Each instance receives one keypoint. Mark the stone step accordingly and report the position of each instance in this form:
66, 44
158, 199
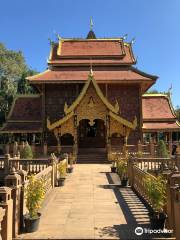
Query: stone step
92, 158
92, 150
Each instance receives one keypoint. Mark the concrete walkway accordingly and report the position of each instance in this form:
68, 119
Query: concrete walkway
90, 206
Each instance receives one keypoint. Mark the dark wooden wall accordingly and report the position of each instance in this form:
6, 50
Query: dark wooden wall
128, 97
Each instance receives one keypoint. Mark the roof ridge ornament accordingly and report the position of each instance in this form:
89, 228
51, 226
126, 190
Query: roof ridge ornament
57, 35
65, 107
91, 34
91, 74
169, 92
91, 24
125, 36
133, 41
117, 106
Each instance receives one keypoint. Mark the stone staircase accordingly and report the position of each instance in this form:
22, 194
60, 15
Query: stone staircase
92, 155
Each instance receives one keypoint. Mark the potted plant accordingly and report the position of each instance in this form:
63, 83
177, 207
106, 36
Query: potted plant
122, 171
156, 191
34, 192
62, 172
71, 162
113, 167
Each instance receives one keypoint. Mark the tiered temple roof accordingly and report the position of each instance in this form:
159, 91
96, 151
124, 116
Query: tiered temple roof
100, 51
158, 113
112, 61
25, 115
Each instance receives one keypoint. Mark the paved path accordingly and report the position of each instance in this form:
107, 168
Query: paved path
90, 206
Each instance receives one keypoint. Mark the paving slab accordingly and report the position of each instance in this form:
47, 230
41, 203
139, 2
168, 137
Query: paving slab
91, 206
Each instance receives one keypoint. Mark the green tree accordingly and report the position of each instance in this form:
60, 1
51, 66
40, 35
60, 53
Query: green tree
26, 152
13, 71
23, 85
177, 111
12, 66
162, 150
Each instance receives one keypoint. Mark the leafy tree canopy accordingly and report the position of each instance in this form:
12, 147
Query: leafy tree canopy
155, 91
13, 71
177, 111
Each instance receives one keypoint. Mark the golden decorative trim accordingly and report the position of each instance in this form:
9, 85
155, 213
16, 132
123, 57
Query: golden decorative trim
68, 127
65, 108
124, 121
116, 127
178, 123
59, 122
99, 93
91, 107
50, 54
87, 40
117, 106
60, 46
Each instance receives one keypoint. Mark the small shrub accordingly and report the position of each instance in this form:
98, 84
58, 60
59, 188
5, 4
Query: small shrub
62, 169
139, 154
27, 152
156, 191
162, 150
122, 168
34, 192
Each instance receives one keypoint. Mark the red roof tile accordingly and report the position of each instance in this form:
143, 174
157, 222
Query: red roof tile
25, 115
99, 51
91, 48
161, 126
71, 75
157, 107
26, 108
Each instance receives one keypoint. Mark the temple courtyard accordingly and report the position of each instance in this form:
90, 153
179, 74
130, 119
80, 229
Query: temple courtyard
91, 205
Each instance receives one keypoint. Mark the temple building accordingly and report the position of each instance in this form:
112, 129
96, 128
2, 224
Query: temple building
92, 96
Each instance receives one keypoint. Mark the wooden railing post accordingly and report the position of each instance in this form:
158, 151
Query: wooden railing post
15, 149
170, 198
139, 147
7, 204
2, 213
54, 171
13, 180
6, 163
177, 213
131, 162
23, 175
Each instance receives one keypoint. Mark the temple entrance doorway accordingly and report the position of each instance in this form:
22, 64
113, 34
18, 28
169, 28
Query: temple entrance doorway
92, 136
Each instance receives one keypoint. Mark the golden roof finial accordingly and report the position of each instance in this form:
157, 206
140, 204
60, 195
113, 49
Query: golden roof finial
170, 91
91, 71
91, 24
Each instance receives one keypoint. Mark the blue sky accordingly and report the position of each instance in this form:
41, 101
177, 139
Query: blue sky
27, 25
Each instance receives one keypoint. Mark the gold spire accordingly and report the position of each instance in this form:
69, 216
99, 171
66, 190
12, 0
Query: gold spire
91, 24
